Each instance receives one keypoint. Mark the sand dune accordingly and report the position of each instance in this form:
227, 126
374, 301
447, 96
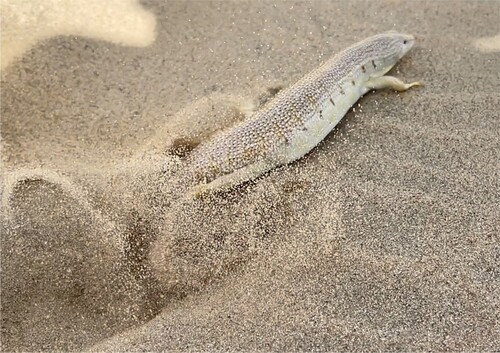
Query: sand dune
385, 237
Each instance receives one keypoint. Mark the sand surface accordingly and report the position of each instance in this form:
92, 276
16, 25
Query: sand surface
385, 237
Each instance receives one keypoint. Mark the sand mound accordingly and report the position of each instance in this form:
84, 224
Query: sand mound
65, 278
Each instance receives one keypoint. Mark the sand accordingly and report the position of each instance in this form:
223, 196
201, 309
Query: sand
384, 238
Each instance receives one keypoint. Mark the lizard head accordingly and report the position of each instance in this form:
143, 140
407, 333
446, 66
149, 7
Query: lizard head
384, 50
404, 42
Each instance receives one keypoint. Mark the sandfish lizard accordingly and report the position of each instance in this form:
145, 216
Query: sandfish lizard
298, 117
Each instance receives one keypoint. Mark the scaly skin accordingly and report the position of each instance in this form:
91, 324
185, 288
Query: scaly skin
299, 117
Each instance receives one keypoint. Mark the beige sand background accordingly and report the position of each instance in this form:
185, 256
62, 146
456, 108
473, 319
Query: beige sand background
385, 237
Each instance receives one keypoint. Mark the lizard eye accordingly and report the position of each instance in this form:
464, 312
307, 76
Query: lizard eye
404, 42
